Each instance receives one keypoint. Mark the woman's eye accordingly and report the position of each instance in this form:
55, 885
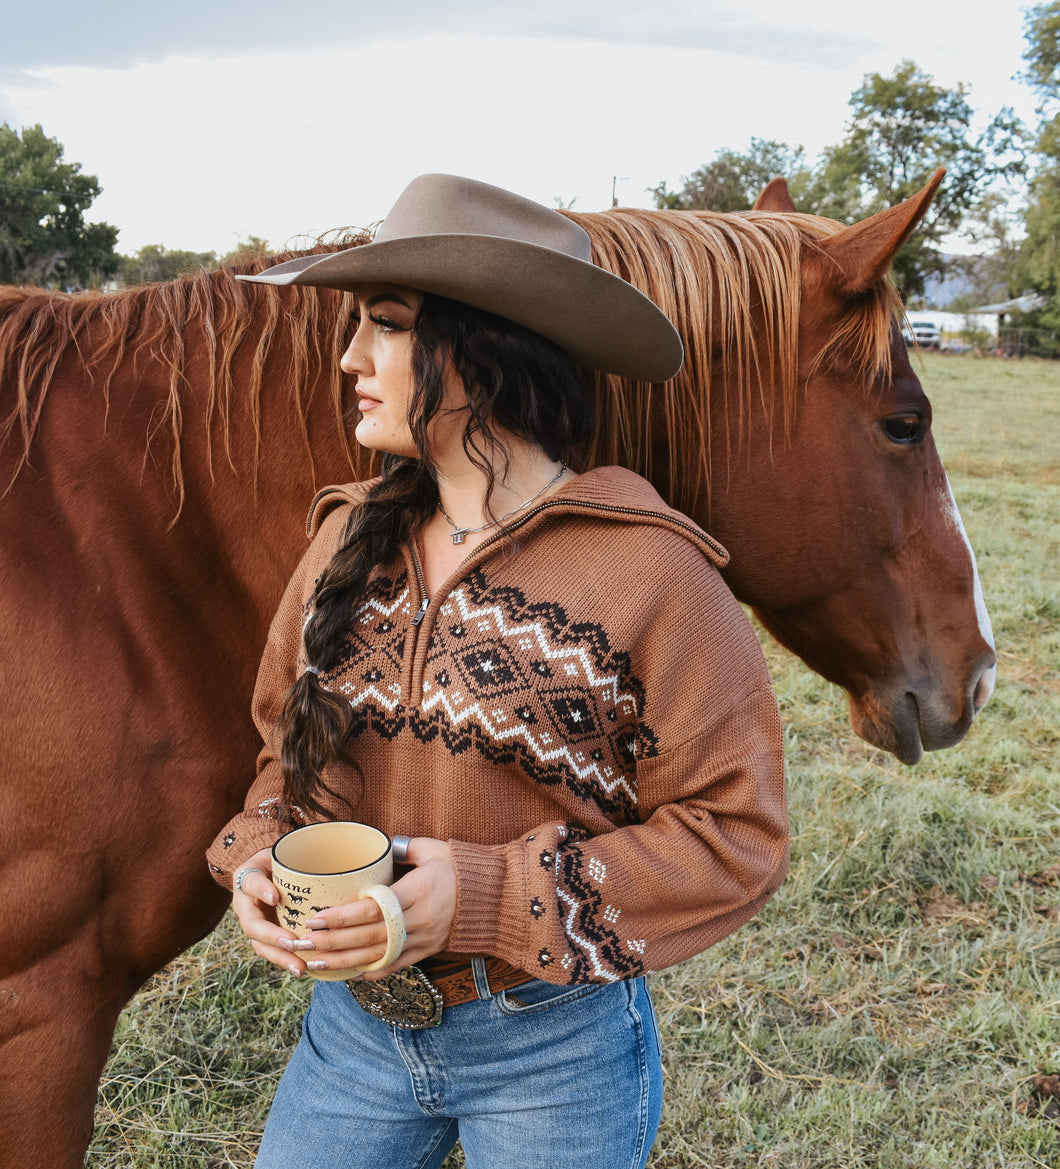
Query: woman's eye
385, 323
907, 429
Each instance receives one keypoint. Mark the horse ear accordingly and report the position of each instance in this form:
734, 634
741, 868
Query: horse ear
864, 253
775, 196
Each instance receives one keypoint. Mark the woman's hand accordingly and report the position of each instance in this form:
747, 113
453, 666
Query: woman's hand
255, 907
354, 935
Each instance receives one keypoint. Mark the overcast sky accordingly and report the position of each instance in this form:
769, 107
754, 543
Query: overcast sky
206, 122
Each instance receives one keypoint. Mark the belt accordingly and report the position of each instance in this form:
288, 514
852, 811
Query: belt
413, 998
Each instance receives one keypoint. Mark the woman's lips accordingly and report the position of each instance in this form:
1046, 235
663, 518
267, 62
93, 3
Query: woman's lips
365, 403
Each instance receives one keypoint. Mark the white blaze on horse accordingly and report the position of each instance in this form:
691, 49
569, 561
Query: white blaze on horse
158, 452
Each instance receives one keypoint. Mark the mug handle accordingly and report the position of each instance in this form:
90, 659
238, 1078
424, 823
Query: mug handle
390, 907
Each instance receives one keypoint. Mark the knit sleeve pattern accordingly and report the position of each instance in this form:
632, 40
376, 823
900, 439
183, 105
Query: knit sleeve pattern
710, 843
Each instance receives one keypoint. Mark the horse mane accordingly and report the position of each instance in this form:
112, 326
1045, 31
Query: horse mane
732, 283
304, 330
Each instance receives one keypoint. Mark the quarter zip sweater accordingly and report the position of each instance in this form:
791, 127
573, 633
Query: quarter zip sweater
582, 710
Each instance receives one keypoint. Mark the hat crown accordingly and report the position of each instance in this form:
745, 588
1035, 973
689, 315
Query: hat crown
490, 248
450, 205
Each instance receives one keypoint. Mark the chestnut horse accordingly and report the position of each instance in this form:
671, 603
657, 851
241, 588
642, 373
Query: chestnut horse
158, 450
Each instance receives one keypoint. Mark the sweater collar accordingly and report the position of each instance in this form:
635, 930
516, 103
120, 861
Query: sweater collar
615, 492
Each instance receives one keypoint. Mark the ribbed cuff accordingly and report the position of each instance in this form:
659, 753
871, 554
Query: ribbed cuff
480, 925
251, 835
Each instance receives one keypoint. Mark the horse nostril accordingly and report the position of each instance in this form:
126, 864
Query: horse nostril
984, 688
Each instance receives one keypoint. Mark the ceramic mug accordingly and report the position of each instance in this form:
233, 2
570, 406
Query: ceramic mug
321, 865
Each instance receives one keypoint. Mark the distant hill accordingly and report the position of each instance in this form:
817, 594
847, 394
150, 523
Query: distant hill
964, 276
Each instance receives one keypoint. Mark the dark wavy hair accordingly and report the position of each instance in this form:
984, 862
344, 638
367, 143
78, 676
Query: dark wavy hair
518, 383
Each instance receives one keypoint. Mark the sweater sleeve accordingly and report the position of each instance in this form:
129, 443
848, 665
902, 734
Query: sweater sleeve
711, 844
265, 817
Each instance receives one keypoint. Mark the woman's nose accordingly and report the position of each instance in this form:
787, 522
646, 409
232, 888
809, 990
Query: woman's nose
352, 361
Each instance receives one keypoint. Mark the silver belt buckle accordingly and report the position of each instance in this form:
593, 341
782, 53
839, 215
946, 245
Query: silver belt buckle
407, 999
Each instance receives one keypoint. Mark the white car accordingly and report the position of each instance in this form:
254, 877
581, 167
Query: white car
925, 334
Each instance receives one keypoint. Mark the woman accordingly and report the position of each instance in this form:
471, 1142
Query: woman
536, 676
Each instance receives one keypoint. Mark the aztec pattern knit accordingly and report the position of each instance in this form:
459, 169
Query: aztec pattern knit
584, 714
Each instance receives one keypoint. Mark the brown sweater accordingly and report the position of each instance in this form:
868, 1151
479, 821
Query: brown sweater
584, 714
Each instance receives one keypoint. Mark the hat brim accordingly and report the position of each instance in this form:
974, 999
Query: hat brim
600, 319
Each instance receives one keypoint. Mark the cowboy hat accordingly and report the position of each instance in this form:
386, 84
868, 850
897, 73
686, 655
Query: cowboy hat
490, 248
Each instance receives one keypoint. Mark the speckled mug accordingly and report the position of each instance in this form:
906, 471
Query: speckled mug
321, 865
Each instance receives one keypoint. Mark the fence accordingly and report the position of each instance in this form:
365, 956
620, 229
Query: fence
1016, 341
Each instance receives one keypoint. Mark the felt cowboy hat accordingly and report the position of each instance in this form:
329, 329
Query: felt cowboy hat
490, 248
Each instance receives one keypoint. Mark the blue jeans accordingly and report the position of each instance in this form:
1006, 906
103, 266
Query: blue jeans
539, 1077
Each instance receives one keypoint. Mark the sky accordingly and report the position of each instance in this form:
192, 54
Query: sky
212, 121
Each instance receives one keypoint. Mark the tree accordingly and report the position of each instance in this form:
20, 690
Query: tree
153, 263
247, 249
990, 272
44, 238
733, 181
1039, 260
1043, 54
903, 128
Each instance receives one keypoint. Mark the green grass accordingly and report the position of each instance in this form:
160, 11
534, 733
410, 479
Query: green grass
893, 1004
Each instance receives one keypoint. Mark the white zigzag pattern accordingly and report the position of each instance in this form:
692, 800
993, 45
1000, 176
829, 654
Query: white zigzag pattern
458, 712
390, 698
607, 682
364, 613
584, 944
389, 701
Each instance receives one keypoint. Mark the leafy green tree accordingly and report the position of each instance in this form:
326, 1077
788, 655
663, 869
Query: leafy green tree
903, 128
733, 181
251, 247
154, 263
1043, 54
990, 272
1039, 260
44, 238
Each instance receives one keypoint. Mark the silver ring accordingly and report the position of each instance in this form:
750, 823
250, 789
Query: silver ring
242, 875
401, 848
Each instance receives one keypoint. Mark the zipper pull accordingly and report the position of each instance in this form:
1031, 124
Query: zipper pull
421, 612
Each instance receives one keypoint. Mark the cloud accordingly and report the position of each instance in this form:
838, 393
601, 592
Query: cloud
123, 33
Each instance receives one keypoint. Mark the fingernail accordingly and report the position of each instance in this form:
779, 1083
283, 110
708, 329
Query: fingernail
316, 964
316, 923
303, 944
294, 971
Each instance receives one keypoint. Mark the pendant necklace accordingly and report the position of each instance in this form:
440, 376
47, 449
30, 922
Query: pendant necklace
460, 533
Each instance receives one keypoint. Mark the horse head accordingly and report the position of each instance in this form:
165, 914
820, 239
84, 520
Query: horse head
880, 591
799, 435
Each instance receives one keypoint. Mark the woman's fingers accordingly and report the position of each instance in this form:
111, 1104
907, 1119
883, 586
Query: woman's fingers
254, 899
427, 896
352, 935
254, 883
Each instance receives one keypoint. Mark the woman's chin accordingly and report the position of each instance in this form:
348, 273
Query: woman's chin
375, 437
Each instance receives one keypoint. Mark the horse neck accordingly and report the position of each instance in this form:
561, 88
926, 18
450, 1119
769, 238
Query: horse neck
197, 407
732, 285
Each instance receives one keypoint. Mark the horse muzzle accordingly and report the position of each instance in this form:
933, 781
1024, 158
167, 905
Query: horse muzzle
909, 720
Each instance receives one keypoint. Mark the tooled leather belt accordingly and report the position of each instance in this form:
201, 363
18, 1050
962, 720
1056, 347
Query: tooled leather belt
413, 998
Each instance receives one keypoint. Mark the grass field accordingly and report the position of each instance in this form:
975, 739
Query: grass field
896, 1005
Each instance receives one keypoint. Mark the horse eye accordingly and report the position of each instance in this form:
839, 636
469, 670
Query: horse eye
908, 429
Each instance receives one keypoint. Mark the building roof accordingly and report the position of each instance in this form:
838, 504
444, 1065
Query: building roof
1020, 304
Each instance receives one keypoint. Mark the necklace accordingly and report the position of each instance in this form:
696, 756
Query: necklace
460, 533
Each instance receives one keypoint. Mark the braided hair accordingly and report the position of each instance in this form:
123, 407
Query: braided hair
517, 383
